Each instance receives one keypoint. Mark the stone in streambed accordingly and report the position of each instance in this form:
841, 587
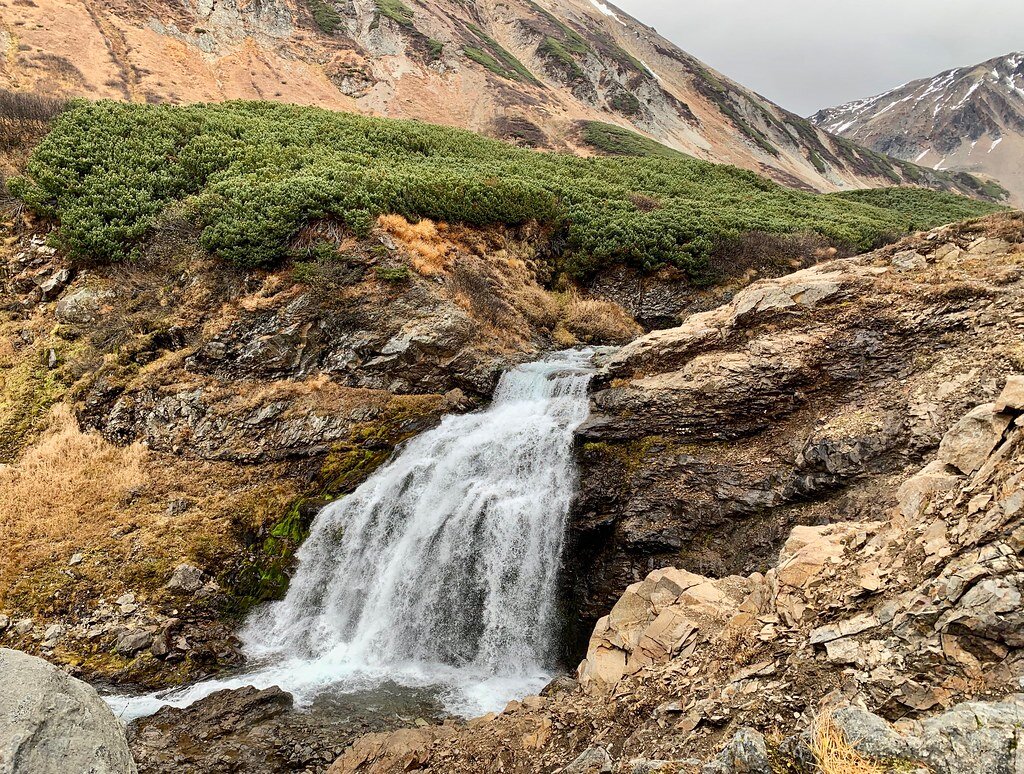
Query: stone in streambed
132, 642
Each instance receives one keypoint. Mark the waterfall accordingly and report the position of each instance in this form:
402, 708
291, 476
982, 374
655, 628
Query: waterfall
442, 568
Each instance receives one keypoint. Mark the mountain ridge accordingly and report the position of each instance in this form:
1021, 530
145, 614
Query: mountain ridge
967, 118
537, 74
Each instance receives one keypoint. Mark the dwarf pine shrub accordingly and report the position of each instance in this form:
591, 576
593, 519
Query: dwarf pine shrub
253, 174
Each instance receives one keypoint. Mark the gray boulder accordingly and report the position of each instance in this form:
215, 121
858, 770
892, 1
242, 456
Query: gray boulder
869, 734
594, 760
746, 753
82, 306
52, 723
973, 736
970, 737
186, 578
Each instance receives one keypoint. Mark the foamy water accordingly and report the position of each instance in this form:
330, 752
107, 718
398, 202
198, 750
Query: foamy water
440, 571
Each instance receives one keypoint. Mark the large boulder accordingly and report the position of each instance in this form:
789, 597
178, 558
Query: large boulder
50, 722
973, 736
664, 616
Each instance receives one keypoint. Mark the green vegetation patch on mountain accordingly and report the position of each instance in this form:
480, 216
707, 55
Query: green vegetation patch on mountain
326, 18
490, 54
252, 174
618, 141
939, 207
397, 11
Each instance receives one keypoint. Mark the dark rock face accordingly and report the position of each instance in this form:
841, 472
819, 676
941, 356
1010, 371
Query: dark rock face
803, 397
654, 300
245, 729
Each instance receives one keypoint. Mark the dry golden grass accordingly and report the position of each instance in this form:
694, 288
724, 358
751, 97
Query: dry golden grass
73, 492
428, 251
833, 752
63, 478
598, 321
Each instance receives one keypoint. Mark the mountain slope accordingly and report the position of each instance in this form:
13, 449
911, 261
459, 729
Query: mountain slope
969, 118
535, 73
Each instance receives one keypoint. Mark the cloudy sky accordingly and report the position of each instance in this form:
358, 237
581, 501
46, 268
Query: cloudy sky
810, 54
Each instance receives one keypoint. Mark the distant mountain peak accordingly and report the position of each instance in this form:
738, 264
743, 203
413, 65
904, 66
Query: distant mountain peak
967, 118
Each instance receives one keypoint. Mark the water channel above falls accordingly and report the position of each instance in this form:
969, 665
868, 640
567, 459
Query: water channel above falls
438, 576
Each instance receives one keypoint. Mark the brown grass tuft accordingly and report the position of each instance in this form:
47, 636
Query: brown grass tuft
834, 754
598, 321
428, 251
61, 480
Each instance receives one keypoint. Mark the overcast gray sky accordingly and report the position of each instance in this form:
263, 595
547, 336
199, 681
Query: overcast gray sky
810, 54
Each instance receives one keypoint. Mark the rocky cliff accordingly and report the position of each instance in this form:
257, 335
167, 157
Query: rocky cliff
801, 397
540, 74
969, 119
170, 427
884, 635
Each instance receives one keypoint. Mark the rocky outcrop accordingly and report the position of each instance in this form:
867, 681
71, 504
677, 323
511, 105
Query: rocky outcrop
249, 730
914, 618
804, 396
667, 615
52, 723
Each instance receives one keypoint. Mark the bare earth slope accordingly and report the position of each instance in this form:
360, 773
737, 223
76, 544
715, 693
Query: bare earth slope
970, 118
533, 72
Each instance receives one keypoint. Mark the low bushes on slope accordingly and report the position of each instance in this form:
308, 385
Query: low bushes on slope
253, 173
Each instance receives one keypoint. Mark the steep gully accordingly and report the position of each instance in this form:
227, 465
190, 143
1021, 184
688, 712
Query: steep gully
440, 572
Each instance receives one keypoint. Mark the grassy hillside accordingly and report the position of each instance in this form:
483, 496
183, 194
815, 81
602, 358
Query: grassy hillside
251, 174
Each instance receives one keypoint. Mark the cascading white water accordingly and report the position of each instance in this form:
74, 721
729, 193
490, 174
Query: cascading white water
441, 569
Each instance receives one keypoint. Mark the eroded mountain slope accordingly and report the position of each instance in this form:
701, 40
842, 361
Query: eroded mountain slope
537, 73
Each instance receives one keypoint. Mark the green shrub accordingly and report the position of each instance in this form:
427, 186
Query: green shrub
920, 212
397, 11
394, 274
252, 174
326, 18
